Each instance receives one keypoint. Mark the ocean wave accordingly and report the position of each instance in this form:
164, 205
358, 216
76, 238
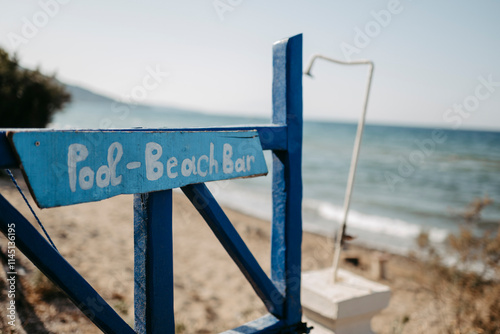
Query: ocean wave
259, 205
375, 224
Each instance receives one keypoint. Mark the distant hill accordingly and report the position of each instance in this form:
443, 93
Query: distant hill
80, 94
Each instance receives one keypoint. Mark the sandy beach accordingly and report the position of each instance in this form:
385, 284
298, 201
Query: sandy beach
384, 115
211, 295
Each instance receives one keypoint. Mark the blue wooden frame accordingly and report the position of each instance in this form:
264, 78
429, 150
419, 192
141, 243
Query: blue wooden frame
153, 276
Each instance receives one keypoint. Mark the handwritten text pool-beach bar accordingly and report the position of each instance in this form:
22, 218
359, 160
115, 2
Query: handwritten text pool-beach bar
66, 168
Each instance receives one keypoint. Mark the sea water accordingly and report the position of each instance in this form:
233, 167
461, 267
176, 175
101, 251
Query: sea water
408, 179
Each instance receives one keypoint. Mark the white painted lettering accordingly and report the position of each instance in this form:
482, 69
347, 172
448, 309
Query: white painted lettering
112, 162
154, 168
99, 180
200, 172
171, 163
250, 159
187, 167
76, 153
213, 163
239, 165
86, 178
227, 162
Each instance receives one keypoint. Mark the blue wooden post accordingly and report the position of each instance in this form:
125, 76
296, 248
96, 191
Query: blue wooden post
213, 214
153, 249
287, 175
54, 266
153, 263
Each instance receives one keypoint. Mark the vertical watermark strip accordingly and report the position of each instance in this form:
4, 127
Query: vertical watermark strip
11, 275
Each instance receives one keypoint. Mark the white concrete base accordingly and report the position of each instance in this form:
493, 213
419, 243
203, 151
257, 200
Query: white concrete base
345, 307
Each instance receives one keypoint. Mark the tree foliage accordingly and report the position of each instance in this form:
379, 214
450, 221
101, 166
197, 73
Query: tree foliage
28, 99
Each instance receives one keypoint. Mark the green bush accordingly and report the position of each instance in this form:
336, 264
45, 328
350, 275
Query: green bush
28, 99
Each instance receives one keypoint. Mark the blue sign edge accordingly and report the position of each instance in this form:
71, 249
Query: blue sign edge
10, 136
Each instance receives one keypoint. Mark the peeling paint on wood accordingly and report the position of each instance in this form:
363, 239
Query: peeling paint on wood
65, 168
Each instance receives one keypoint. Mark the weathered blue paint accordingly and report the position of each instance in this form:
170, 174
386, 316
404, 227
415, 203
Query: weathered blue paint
213, 214
272, 137
153, 263
153, 277
140, 246
264, 325
287, 175
7, 159
59, 271
278, 231
65, 168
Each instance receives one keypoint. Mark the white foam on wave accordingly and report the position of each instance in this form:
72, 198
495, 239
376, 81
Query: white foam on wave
376, 231
374, 224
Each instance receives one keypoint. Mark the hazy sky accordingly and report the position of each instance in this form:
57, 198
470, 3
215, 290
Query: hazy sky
436, 63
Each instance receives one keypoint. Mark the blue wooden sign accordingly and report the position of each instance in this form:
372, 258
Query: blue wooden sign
69, 167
